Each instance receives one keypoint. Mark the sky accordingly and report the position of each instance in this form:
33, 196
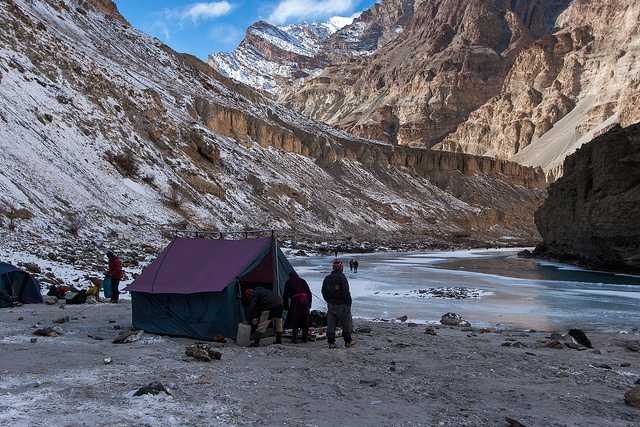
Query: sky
205, 27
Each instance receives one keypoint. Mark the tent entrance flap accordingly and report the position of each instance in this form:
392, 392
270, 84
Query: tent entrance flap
262, 273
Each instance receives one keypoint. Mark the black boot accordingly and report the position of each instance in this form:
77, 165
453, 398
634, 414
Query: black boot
256, 340
278, 337
294, 336
305, 335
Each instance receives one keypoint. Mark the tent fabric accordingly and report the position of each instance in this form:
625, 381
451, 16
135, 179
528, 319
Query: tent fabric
284, 269
199, 316
192, 288
189, 266
19, 285
7, 268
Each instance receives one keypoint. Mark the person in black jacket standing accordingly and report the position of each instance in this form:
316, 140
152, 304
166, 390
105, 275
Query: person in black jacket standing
335, 290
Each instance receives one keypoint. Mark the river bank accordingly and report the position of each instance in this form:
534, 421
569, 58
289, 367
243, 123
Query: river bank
395, 375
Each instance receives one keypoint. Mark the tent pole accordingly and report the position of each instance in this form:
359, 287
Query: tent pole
275, 257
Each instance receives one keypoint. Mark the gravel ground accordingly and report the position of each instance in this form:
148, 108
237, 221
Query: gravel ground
395, 375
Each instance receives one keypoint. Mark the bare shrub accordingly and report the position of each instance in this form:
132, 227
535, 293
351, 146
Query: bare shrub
13, 215
150, 180
74, 223
173, 198
125, 162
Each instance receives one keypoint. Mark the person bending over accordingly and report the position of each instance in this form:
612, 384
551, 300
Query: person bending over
263, 306
297, 300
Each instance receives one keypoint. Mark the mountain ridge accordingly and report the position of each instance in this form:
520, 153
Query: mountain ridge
105, 123
525, 80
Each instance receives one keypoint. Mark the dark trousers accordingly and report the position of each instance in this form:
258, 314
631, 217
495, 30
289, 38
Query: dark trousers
339, 314
115, 291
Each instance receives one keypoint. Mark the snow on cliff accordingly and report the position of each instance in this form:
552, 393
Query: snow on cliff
83, 96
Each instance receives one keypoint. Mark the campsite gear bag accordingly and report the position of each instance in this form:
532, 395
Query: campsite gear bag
106, 287
243, 338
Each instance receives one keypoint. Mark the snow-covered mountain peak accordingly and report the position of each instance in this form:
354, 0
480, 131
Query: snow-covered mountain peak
271, 58
301, 39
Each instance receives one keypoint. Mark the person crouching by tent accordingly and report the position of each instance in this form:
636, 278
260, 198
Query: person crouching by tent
297, 300
335, 290
116, 274
263, 306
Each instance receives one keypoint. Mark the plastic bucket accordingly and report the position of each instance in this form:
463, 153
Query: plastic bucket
243, 339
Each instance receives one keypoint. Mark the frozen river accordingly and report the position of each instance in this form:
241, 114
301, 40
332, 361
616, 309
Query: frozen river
514, 292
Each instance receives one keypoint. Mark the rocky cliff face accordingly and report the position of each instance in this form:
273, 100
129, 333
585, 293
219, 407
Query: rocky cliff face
105, 129
451, 58
523, 80
592, 214
562, 90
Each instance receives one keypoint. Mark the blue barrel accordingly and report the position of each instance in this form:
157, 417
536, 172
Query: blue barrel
106, 287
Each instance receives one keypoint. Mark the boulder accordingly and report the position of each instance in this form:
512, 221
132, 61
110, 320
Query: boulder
202, 352
60, 320
429, 330
48, 332
580, 337
454, 319
50, 300
633, 346
128, 337
154, 388
363, 330
632, 397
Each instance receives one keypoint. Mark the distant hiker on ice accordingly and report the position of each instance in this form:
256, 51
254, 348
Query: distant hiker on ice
115, 274
356, 264
297, 300
351, 265
335, 290
262, 307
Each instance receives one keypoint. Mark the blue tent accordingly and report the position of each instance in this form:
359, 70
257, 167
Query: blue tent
193, 288
18, 285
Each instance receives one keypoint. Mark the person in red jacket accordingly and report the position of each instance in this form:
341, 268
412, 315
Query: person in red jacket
116, 274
